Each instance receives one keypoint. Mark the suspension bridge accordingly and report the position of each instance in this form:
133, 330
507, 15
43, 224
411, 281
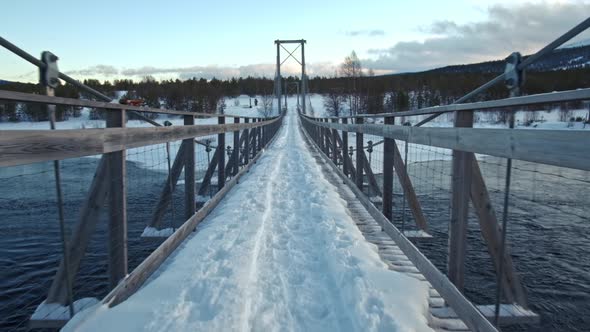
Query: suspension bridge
284, 222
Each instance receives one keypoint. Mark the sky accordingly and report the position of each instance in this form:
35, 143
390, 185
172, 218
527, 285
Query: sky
114, 39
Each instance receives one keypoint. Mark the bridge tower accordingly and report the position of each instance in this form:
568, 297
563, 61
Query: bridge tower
278, 80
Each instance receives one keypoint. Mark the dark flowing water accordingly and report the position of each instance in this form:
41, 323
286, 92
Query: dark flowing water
549, 233
30, 242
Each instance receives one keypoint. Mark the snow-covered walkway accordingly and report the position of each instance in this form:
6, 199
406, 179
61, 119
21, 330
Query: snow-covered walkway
280, 253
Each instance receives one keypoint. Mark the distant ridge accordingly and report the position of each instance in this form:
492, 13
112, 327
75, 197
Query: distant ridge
581, 43
572, 56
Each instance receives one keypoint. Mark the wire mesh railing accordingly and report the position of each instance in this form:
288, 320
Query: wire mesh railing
116, 213
428, 179
441, 172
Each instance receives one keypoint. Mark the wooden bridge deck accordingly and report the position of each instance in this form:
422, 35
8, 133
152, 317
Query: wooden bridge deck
441, 317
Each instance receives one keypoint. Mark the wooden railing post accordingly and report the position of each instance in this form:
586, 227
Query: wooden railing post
254, 136
246, 143
359, 156
316, 132
260, 135
265, 131
321, 135
189, 171
117, 203
236, 161
326, 139
334, 144
388, 153
345, 149
461, 189
221, 156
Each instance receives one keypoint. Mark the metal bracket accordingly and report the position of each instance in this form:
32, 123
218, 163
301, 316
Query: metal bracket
514, 77
49, 75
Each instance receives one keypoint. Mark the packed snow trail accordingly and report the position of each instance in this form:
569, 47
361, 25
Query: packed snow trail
280, 253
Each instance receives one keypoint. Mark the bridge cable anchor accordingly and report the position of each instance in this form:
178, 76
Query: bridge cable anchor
49, 75
514, 78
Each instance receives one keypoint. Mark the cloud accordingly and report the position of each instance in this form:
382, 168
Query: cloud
369, 33
525, 28
209, 72
98, 70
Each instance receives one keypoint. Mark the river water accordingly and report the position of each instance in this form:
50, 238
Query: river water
549, 233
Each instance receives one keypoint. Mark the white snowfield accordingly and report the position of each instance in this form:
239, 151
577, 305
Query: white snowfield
280, 253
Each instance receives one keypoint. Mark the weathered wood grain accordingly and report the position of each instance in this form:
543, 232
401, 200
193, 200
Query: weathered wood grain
490, 231
460, 189
89, 217
19, 147
465, 310
552, 147
408, 187
117, 205
138, 277
189, 171
388, 156
171, 180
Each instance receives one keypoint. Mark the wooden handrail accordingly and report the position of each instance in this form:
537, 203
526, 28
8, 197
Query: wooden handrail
42, 99
19, 147
565, 148
492, 105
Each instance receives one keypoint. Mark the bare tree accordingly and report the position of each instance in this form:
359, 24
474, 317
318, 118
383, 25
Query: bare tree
352, 70
221, 106
266, 107
333, 102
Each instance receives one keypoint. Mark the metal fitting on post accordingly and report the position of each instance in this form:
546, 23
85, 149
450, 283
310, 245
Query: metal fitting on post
49, 75
370, 146
513, 76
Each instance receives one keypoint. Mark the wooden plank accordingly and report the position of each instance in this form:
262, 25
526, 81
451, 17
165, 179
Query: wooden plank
138, 277
189, 171
510, 314
491, 105
253, 144
320, 136
259, 138
235, 159
221, 157
327, 140
406, 183
370, 176
51, 316
552, 147
19, 147
351, 169
417, 235
172, 178
117, 177
246, 136
460, 190
465, 309
490, 230
89, 216
359, 157
334, 144
388, 155
344, 144
210, 171
235, 156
